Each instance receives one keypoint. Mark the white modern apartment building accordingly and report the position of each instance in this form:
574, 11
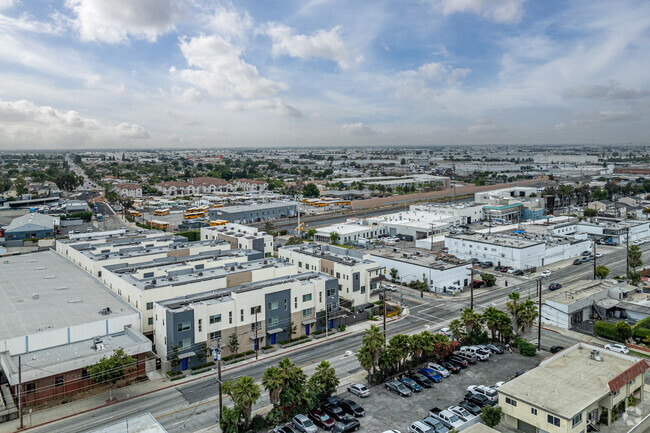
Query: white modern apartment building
240, 236
358, 276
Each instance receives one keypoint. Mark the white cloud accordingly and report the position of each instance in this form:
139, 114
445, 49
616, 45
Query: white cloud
358, 129
229, 23
606, 93
416, 83
220, 70
274, 105
596, 118
115, 20
501, 11
28, 125
322, 44
7, 4
485, 126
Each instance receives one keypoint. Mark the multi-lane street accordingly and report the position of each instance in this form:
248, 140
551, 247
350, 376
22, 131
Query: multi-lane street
191, 406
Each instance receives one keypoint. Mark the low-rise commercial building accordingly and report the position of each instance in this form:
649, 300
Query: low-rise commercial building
350, 232
570, 391
240, 236
257, 314
254, 213
462, 213
412, 225
127, 189
358, 276
29, 226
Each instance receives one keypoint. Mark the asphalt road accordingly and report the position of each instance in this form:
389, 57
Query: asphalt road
193, 406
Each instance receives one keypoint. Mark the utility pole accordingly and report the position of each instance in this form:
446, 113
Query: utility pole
20, 390
627, 250
539, 320
257, 343
327, 324
431, 237
385, 305
219, 375
594, 251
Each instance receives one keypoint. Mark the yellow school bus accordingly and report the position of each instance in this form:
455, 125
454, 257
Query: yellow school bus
216, 223
133, 213
193, 215
161, 212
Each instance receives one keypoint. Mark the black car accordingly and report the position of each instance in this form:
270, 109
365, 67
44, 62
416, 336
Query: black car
495, 349
458, 360
554, 286
283, 429
470, 407
577, 262
352, 408
346, 425
334, 411
556, 349
422, 380
479, 400
518, 273
451, 366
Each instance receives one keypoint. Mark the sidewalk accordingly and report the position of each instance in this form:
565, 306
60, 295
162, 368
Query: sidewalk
99, 400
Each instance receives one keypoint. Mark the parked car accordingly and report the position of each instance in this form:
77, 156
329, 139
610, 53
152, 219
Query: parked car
352, 408
518, 273
458, 360
585, 253
411, 384
431, 374
303, 424
546, 273
554, 286
321, 419
577, 262
420, 427
333, 410
283, 429
495, 349
584, 259
617, 348
398, 388
359, 390
599, 255
461, 412
479, 399
451, 366
488, 392
556, 349
476, 284
435, 424
346, 425
445, 331
472, 408
439, 368
422, 380
467, 356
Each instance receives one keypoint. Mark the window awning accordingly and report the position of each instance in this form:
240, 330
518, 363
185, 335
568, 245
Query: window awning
309, 322
274, 331
186, 355
259, 337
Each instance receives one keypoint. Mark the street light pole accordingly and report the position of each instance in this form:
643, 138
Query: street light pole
539, 320
385, 305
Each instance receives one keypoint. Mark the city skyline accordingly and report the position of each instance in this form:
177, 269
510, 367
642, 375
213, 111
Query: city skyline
163, 74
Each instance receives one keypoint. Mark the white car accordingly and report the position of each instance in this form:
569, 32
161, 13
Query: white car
461, 412
546, 273
599, 255
486, 391
359, 390
439, 368
617, 348
445, 331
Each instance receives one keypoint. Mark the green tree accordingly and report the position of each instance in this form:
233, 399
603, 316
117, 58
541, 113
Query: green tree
373, 343
293, 240
269, 228
403, 161
233, 344
311, 233
514, 309
527, 315
456, 328
310, 190
489, 279
624, 330
646, 211
244, 393
229, 421
471, 320
491, 415
174, 359
324, 379
491, 319
334, 237
634, 256
393, 273
401, 344
589, 213
272, 381
602, 271
20, 186
111, 369
291, 330
504, 326
600, 194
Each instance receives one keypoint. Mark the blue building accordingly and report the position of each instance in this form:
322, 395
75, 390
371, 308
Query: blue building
29, 226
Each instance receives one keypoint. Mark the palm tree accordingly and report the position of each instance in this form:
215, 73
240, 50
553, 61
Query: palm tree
527, 315
514, 309
471, 320
292, 375
417, 344
244, 393
401, 344
634, 256
504, 326
272, 381
373, 340
367, 361
325, 378
429, 346
491, 318
456, 328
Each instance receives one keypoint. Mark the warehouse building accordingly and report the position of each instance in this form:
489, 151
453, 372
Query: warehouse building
254, 213
29, 226
240, 236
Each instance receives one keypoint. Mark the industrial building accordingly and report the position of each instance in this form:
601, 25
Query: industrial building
240, 236
570, 390
461, 213
254, 213
358, 276
412, 225
29, 226
350, 232
308, 301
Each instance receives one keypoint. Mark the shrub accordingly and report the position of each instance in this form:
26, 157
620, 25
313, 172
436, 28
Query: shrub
491, 416
267, 347
642, 333
342, 328
489, 279
257, 423
631, 401
645, 323
526, 348
606, 330
624, 330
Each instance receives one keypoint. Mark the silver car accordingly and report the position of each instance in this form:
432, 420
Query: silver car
303, 424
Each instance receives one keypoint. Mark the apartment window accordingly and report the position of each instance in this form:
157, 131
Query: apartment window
31, 388
511, 401
187, 342
215, 335
185, 326
300, 264
58, 381
617, 392
338, 275
320, 296
553, 420
200, 325
272, 305
149, 305
363, 289
533, 411
331, 292
257, 308
306, 298
632, 381
215, 319
272, 321
242, 316
230, 317
307, 312
576, 420
150, 321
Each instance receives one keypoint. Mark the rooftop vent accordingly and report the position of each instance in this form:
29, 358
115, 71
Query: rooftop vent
40, 268
61, 288
75, 301
595, 355
35, 296
6, 262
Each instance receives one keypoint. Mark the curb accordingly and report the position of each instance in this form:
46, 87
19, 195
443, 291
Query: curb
214, 373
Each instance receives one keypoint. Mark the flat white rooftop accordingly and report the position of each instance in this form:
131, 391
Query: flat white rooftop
44, 290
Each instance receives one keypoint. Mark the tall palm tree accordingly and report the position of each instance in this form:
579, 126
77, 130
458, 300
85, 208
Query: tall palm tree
471, 319
491, 318
634, 256
272, 381
513, 308
244, 393
504, 326
456, 328
325, 378
429, 344
367, 362
401, 344
373, 340
292, 375
527, 315
417, 346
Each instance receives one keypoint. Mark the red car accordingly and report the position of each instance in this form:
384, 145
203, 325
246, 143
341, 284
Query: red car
321, 419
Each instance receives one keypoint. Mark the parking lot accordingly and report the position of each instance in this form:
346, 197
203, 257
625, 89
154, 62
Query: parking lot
385, 410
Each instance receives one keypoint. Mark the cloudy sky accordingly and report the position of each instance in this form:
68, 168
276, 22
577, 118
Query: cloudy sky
199, 73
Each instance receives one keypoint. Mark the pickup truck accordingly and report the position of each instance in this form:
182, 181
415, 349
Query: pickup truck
448, 418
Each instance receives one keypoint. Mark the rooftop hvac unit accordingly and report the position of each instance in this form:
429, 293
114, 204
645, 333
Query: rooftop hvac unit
595, 355
35, 296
